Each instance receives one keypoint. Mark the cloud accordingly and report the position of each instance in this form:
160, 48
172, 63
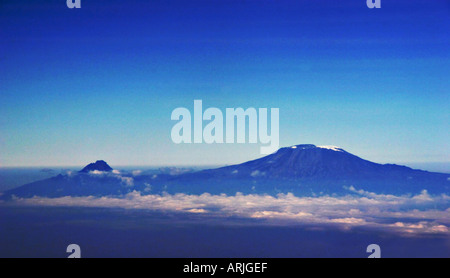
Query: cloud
70, 173
136, 172
364, 209
421, 226
98, 173
257, 173
126, 180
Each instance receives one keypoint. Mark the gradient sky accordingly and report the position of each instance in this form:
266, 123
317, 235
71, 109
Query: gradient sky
101, 82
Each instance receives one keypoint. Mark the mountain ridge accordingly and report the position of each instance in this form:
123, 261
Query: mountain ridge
301, 169
308, 160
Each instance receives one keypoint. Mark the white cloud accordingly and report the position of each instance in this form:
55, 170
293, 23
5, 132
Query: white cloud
148, 187
127, 181
70, 173
136, 172
423, 197
97, 173
370, 210
257, 173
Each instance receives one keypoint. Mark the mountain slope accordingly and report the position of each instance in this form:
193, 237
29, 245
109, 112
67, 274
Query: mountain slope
310, 161
307, 169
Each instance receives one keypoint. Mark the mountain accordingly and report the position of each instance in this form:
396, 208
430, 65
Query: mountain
302, 169
99, 165
313, 162
309, 169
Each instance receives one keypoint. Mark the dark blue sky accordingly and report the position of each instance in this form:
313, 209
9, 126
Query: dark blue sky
100, 82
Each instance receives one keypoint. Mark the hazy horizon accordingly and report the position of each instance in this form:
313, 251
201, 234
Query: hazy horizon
443, 167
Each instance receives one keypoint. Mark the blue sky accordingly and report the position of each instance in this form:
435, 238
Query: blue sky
101, 82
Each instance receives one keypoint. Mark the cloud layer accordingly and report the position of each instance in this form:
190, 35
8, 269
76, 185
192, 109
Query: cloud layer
408, 214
